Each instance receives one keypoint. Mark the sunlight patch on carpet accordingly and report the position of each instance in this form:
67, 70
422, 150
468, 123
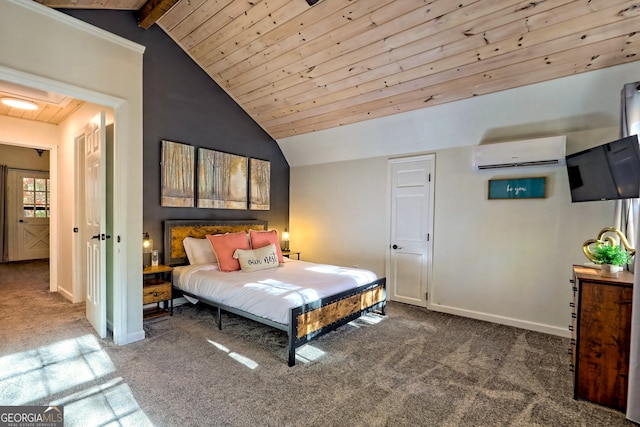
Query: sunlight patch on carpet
367, 319
42, 374
110, 403
36, 374
249, 363
308, 353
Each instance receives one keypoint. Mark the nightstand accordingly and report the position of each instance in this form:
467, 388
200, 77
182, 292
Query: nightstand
289, 253
157, 287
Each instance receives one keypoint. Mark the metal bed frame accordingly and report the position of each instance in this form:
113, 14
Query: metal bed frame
306, 322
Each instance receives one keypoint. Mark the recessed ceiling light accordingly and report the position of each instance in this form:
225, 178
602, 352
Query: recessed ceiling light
20, 103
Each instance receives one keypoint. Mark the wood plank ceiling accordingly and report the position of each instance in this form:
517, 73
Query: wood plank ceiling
52, 108
297, 68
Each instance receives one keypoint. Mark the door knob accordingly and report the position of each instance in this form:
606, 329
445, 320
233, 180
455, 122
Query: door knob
396, 247
97, 236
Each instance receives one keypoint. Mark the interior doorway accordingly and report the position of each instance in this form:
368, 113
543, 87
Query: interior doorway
26, 150
32, 218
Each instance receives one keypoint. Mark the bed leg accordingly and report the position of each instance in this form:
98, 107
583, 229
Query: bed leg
219, 319
383, 310
292, 356
291, 333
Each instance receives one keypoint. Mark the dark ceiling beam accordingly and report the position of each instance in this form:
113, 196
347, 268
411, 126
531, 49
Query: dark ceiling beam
153, 10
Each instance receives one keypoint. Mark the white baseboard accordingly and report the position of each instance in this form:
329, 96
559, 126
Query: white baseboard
508, 321
133, 337
65, 294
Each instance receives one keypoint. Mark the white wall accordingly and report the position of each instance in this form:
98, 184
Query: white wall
509, 261
45, 49
338, 211
25, 133
23, 158
505, 261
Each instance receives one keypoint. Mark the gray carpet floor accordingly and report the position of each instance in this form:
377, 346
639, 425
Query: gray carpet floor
411, 367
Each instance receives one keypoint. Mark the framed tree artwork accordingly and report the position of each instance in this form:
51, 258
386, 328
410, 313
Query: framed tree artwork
222, 180
260, 184
178, 166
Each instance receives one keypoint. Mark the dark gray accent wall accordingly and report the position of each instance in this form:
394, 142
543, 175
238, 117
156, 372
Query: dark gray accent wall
183, 104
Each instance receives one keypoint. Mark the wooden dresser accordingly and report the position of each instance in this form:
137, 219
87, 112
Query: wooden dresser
601, 334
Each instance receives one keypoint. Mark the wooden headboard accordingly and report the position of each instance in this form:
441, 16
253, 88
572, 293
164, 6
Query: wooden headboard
176, 230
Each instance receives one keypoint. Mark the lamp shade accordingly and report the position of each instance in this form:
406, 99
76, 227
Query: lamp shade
285, 240
147, 243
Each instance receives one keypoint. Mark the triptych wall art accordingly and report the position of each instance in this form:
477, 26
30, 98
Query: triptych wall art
224, 180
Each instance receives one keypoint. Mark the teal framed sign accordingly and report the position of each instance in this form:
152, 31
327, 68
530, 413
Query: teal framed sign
518, 188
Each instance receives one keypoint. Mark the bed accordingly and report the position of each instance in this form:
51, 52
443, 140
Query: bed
303, 299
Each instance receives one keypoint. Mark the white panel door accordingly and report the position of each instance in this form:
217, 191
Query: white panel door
410, 229
94, 223
29, 214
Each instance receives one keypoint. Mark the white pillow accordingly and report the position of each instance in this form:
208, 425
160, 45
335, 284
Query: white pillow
257, 259
199, 251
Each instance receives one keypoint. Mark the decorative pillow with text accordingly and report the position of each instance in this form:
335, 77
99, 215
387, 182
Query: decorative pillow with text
257, 259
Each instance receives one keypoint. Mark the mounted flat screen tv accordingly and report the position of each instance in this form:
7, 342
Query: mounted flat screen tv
607, 172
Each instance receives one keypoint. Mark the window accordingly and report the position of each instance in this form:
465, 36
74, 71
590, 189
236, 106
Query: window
35, 197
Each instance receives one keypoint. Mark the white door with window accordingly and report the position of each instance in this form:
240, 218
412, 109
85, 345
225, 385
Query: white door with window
28, 214
411, 225
94, 223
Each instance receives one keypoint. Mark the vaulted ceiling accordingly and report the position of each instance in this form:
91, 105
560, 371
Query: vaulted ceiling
297, 68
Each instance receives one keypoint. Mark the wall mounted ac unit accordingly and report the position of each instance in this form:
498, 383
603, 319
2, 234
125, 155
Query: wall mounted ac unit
529, 152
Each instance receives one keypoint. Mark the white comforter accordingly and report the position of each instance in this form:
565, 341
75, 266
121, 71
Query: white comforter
269, 293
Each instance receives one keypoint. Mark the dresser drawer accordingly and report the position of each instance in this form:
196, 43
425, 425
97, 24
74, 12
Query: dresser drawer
156, 293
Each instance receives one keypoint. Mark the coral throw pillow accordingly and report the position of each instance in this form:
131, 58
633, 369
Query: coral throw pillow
260, 239
224, 245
